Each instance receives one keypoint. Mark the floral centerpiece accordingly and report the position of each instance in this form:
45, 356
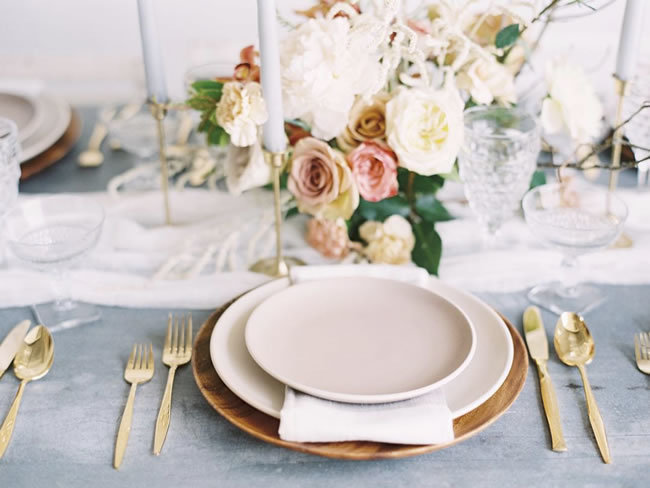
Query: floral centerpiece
374, 99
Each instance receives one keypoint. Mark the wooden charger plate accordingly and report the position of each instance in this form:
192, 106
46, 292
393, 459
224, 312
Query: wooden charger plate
265, 427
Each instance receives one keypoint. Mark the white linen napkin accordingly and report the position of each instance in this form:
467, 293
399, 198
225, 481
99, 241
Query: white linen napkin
422, 420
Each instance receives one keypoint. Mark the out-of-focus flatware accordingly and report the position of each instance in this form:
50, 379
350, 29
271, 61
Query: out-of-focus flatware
93, 155
11, 344
538, 348
176, 352
139, 369
575, 347
642, 351
33, 360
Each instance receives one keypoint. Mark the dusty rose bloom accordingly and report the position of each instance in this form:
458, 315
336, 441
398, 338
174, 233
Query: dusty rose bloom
329, 237
374, 167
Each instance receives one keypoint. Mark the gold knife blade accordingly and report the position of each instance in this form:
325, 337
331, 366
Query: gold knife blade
538, 347
11, 344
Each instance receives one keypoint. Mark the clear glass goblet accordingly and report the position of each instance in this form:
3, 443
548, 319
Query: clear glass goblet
496, 162
576, 221
50, 234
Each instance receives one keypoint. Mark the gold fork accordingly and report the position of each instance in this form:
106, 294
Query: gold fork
139, 369
642, 351
175, 353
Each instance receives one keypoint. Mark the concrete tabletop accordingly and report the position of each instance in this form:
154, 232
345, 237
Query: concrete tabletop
66, 428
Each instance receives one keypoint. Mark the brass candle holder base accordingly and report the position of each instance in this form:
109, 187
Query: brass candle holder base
277, 266
159, 112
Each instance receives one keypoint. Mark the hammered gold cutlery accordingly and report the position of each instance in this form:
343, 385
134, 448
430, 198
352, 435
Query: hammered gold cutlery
575, 347
139, 369
538, 348
176, 352
11, 344
33, 360
642, 351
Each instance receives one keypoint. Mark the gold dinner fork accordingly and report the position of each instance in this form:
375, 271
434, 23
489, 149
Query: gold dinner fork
175, 353
139, 369
642, 351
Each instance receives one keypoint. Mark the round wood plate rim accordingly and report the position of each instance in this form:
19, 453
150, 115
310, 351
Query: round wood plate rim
265, 427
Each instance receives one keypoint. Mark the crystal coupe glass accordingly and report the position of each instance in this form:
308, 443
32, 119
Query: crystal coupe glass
51, 233
576, 221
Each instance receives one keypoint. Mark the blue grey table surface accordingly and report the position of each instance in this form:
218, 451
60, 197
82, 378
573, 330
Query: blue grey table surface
66, 428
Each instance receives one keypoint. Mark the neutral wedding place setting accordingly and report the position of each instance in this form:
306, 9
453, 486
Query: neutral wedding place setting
352, 241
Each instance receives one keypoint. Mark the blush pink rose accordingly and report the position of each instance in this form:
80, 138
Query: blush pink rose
374, 167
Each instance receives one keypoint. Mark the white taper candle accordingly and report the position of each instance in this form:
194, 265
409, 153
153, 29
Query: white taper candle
274, 136
630, 40
151, 53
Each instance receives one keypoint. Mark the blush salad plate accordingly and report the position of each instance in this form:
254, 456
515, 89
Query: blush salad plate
484, 374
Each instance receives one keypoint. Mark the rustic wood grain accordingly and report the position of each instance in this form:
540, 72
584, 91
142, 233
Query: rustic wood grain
265, 427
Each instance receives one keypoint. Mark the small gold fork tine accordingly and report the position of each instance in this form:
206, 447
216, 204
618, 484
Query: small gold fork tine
181, 343
168, 336
645, 343
175, 340
188, 340
143, 356
637, 347
131, 361
150, 360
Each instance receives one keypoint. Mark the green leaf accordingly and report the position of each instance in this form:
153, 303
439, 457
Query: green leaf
214, 95
421, 184
201, 103
217, 136
538, 179
430, 209
383, 209
202, 85
428, 246
507, 36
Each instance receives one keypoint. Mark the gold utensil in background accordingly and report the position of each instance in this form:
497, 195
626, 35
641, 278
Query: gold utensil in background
127, 112
575, 347
538, 348
93, 156
139, 369
642, 351
11, 344
177, 351
33, 360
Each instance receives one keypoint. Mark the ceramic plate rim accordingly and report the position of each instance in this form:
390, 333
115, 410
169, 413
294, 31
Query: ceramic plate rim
359, 397
36, 120
241, 305
54, 123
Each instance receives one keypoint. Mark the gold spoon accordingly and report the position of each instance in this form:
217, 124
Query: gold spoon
575, 347
33, 360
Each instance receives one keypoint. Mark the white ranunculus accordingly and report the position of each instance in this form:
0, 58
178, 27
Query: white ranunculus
240, 111
572, 105
425, 129
246, 168
324, 66
487, 80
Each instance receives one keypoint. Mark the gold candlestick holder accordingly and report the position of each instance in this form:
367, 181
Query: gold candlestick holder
277, 266
159, 112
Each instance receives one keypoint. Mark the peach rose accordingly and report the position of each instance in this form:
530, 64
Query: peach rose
321, 180
367, 121
329, 237
374, 167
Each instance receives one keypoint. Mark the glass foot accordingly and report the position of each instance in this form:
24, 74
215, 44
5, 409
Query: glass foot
67, 315
557, 298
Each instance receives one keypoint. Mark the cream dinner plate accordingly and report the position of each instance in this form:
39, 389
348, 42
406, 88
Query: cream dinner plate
360, 339
55, 121
482, 377
25, 111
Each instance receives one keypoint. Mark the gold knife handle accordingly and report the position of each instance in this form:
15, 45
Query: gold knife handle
594, 417
125, 428
10, 420
164, 414
549, 399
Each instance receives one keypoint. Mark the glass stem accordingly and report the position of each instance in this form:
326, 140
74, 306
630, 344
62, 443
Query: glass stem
61, 288
570, 275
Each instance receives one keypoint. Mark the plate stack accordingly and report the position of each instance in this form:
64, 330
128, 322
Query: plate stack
358, 340
47, 126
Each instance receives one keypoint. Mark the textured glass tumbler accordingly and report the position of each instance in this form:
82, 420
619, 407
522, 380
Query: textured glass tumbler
496, 162
9, 174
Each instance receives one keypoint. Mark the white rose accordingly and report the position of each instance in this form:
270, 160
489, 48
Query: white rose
572, 105
390, 242
240, 111
425, 129
246, 168
324, 66
487, 80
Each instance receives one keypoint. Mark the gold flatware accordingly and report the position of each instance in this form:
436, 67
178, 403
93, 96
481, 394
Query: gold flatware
93, 155
139, 369
11, 344
642, 351
538, 348
127, 112
177, 351
575, 347
33, 360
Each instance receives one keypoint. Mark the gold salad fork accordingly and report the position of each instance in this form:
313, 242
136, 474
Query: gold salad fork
176, 352
642, 351
139, 369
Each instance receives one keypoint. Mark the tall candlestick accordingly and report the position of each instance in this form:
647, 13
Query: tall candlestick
151, 53
630, 40
274, 135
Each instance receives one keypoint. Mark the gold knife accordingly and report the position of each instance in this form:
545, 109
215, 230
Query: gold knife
11, 344
538, 348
